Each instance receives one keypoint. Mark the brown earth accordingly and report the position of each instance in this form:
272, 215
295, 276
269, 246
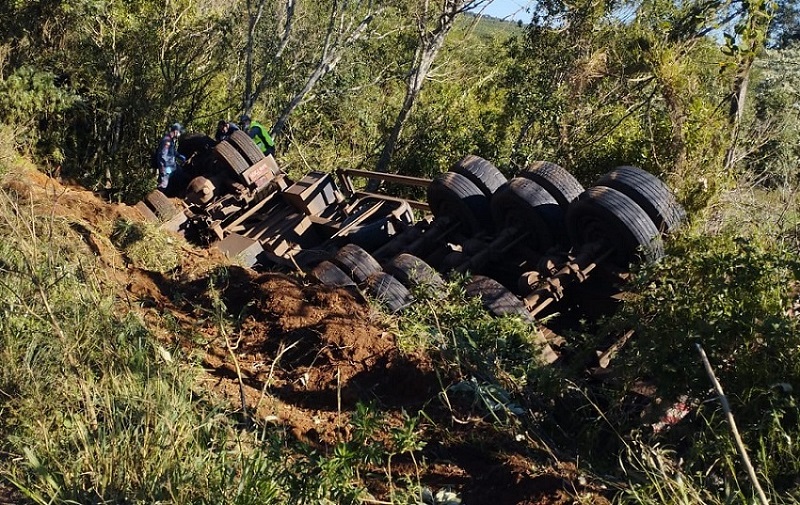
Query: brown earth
303, 355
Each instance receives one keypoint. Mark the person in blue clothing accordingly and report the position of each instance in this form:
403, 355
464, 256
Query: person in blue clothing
167, 155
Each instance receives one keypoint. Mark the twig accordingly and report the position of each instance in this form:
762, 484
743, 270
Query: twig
243, 396
751, 472
267, 382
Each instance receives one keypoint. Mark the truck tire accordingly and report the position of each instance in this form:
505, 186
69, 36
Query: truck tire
526, 206
452, 261
555, 179
230, 157
603, 215
356, 262
451, 195
499, 301
330, 275
481, 173
146, 212
388, 291
245, 145
650, 193
161, 205
413, 272
496, 298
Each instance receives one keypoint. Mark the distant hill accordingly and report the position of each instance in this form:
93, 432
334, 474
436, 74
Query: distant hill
492, 27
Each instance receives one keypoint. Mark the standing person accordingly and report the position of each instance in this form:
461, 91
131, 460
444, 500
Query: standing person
167, 155
259, 134
224, 130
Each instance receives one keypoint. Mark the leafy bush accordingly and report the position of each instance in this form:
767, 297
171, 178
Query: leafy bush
32, 103
728, 293
493, 362
734, 297
773, 130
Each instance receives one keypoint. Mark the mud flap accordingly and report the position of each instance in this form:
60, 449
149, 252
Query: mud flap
146, 212
242, 249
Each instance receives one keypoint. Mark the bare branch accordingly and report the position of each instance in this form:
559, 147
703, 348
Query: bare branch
332, 53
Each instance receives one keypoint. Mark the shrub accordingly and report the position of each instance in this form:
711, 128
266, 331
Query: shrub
733, 296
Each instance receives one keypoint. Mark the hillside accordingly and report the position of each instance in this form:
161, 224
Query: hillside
140, 368
301, 358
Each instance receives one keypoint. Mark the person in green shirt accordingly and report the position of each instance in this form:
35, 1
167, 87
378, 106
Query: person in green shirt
259, 133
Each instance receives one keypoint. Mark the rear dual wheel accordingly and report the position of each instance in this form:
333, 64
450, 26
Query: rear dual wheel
330, 275
555, 180
194, 144
526, 206
388, 291
162, 206
245, 145
499, 301
353, 262
482, 173
496, 298
650, 193
453, 196
606, 217
230, 157
356, 263
413, 272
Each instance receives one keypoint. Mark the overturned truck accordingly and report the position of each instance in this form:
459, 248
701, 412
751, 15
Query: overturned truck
530, 243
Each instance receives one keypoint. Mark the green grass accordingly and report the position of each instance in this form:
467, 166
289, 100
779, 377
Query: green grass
146, 246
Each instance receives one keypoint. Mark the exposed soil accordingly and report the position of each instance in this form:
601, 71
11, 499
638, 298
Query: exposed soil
303, 355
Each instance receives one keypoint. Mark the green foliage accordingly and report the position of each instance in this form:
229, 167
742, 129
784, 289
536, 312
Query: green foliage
660, 479
89, 404
785, 28
495, 362
32, 103
731, 295
128, 69
595, 93
9, 157
444, 133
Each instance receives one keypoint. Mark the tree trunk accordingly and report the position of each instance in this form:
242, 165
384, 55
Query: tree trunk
416, 79
252, 90
738, 98
332, 53
430, 42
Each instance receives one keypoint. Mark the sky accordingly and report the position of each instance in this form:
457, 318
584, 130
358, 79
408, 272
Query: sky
514, 10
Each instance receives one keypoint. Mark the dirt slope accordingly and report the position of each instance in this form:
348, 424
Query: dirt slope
303, 355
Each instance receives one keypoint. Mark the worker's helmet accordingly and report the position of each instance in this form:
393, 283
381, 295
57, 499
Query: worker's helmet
177, 127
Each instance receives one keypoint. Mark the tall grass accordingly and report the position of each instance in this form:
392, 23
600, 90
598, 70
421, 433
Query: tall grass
145, 246
92, 412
